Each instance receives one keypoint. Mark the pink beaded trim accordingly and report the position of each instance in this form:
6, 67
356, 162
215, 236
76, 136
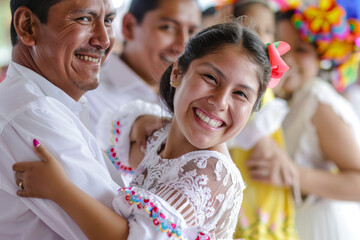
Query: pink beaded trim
158, 218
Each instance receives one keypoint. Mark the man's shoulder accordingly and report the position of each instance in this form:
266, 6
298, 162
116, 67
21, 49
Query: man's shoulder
16, 94
21, 97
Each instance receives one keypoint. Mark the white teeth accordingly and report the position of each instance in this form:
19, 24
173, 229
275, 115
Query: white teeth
87, 58
208, 121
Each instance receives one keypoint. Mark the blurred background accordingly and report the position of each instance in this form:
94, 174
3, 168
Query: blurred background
5, 17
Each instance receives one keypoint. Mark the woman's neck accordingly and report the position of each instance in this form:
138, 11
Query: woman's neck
177, 144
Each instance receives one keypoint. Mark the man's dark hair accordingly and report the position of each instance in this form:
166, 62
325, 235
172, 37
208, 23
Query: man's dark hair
39, 7
139, 8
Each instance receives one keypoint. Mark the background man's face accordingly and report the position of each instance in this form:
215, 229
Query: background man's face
162, 35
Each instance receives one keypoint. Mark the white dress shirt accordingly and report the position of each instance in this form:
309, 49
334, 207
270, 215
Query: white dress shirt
118, 85
32, 107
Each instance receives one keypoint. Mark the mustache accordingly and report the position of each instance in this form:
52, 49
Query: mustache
100, 52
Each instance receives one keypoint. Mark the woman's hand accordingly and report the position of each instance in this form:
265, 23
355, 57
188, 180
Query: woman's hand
270, 163
143, 127
41, 179
47, 179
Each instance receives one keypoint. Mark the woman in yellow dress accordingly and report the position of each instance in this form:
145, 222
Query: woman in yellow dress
267, 211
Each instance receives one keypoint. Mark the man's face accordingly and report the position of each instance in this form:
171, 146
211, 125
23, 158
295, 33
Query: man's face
73, 44
161, 38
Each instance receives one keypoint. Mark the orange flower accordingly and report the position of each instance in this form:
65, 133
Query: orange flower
323, 18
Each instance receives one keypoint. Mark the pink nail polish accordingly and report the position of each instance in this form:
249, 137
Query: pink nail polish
36, 143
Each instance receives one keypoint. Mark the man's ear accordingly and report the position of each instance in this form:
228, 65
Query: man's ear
128, 24
24, 23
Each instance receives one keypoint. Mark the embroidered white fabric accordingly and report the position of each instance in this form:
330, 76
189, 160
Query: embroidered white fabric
114, 129
150, 217
204, 186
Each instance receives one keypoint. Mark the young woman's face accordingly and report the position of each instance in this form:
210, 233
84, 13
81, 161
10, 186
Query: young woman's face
302, 60
215, 97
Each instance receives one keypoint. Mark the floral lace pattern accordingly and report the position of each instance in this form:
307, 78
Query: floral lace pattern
204, 186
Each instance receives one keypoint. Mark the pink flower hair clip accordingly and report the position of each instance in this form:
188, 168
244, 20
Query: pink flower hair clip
278, 66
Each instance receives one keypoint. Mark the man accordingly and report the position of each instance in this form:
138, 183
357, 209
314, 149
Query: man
58, 48
155, 33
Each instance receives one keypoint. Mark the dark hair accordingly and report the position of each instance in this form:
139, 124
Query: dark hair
39, 7
284, 15
242, 6
139, 8
213, 39
210, 11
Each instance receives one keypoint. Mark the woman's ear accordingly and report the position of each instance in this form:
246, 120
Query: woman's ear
128, 24
24, 23
175, 77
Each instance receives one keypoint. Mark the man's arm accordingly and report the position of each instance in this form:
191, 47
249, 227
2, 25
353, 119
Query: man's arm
77, 152
47, 179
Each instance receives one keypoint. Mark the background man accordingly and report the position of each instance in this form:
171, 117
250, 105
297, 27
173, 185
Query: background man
155, 33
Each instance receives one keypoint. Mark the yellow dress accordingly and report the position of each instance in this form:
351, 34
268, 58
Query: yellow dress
267, 212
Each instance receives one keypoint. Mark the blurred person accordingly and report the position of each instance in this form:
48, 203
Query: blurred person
268, 211
155, 33
322, 132
352, 94
209, 17
217, 14
58, 48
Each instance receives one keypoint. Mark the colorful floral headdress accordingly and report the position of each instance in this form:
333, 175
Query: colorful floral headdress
282, 5
336, 36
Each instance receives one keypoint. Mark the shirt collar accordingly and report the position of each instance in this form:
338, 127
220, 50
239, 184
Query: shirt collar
45, 86
114, 69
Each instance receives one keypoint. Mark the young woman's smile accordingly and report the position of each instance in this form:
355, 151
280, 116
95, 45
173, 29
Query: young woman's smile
215, 97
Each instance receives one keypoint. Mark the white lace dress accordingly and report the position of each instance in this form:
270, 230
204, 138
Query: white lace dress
205, 187
318, 218
195, 196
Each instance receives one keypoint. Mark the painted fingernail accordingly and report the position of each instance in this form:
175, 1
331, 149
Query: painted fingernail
36, 143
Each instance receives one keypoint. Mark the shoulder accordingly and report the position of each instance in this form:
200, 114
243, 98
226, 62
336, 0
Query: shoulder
331, 105
215, 165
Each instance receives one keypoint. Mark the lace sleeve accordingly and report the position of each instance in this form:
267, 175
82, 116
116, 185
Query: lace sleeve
208, 192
